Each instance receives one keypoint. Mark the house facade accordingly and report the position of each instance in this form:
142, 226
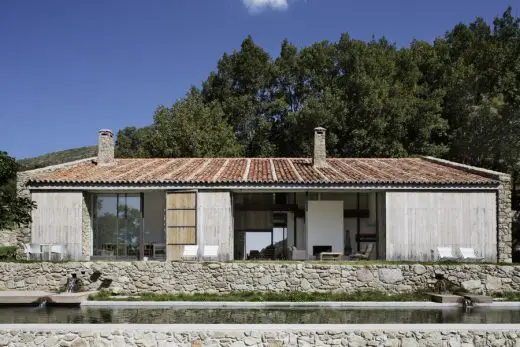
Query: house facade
121, 209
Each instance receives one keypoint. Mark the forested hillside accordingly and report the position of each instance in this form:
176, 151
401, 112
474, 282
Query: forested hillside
55, 158
456, 98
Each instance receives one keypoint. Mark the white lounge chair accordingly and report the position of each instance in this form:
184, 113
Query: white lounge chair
364, 255
60, 250
446, 254
469, 254
34, 249
27, 251
159, 249
190, 252
210, 252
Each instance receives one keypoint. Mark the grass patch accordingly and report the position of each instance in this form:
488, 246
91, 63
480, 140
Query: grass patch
8, 253
263, 297
507, 296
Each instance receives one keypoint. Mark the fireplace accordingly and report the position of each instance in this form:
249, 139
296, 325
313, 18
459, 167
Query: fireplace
316, 250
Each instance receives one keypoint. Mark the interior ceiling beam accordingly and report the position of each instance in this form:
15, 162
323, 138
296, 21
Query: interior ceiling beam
348, 213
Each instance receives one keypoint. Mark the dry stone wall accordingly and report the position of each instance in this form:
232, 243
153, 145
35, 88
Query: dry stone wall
305, 337
215, 277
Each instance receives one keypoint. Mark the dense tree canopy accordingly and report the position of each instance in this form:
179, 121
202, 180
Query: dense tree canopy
456, 98
14, 210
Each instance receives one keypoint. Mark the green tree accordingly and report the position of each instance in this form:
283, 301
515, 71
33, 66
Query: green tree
241, 86
14, 210
192, 129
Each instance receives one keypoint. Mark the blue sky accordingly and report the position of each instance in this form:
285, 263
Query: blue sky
69, 68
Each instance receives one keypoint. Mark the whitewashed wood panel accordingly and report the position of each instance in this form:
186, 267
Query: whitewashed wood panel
418, 222
215, 222
58, 220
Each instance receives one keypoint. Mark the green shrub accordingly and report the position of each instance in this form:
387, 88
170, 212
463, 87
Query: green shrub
8, 253
265, 296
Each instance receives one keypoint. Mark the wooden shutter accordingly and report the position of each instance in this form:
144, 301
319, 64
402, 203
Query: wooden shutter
181, 222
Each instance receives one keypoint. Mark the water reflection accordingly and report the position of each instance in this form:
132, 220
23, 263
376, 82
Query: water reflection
255, 316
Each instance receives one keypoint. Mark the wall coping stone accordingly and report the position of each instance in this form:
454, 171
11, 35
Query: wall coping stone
260, 327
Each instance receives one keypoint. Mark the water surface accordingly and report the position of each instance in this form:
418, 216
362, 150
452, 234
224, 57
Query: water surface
86, 315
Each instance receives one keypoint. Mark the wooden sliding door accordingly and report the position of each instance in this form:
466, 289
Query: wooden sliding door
181, 222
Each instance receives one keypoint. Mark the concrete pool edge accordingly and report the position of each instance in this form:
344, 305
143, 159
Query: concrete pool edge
271, 335
282, 304
270, 304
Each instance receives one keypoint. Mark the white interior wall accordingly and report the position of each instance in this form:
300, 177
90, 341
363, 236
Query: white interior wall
324, 224
154, 211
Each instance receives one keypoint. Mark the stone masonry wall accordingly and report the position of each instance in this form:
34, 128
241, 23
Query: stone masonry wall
504, 221
86, 227
215, 277
130, 335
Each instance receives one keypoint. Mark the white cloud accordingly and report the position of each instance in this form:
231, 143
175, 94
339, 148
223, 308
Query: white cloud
255, 6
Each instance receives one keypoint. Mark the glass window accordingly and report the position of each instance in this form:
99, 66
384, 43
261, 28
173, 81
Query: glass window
117, 228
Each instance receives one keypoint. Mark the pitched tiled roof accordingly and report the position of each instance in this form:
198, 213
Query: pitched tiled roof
264, 170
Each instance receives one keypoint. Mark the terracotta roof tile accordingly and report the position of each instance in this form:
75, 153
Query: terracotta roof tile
186, 170
260, 171
234, 171
265, 170
306, 171
284, 170
209, 171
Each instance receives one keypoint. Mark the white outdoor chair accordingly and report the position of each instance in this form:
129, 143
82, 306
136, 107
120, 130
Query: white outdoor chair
35, 249
364, 255
446, 254
190, 252
60, 250
159, 248
210, 252
469, 254
27, 250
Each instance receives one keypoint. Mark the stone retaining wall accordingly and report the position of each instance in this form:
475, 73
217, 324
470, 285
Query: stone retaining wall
407, 336
213, 277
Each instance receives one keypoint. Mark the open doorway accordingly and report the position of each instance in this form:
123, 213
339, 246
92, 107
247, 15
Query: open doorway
264, 244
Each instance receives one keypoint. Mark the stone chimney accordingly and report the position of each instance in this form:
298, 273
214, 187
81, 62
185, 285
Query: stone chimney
320, 151
105, 147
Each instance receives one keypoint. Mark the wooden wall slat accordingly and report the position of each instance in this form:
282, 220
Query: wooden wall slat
215, 222
58, 220
174, 252
418, 222
181, 222
181, 200
181, 218
181, 235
